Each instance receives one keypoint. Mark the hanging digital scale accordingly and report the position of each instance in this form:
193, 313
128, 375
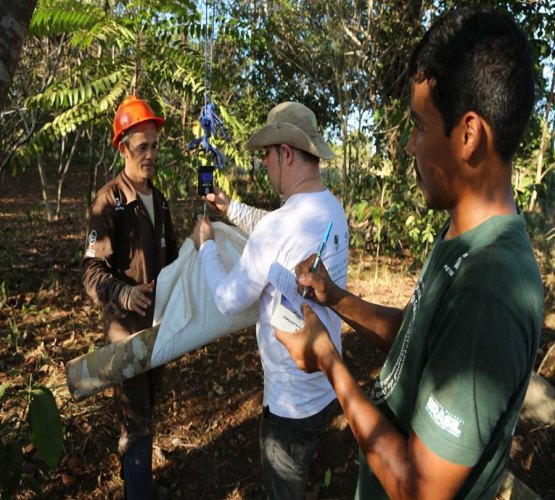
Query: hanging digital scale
205, 180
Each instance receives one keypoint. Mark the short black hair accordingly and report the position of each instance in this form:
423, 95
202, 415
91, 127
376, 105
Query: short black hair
307, 157
479, 60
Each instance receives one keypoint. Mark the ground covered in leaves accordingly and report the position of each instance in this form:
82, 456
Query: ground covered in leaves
206, 444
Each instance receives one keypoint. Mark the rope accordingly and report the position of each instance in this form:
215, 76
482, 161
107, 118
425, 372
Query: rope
210, 122
207, 77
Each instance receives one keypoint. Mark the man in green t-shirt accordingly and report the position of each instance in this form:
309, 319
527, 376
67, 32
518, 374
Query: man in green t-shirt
440, 418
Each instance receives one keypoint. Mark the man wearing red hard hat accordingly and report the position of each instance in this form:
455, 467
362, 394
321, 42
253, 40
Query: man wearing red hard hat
130, 239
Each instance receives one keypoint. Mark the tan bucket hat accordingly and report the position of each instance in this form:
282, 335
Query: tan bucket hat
294, 124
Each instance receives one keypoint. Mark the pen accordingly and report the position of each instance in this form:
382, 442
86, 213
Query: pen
314, 267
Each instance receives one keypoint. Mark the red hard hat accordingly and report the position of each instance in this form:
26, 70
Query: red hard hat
130, 112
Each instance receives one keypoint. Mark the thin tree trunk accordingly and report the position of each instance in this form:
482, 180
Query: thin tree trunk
15, 17
12, 149
63, 169
111, 168
93, 172
44, 184
543, 145
344, 162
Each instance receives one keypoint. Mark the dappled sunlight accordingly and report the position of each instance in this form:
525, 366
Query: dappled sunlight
207, 420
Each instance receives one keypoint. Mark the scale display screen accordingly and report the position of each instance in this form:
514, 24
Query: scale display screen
205, 180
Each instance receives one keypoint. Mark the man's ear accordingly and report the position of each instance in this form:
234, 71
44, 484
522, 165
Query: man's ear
472, 135
287, 154
122, 149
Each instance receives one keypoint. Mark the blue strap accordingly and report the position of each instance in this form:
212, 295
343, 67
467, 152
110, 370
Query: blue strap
211, 123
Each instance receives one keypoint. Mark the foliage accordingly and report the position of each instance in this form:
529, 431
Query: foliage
325, 484
31, 411
91, 56
346, 60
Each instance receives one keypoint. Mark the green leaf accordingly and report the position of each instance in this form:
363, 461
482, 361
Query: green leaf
45, 426
11, 466
361, 210
31, 483
327, 478
377, 216
3, 388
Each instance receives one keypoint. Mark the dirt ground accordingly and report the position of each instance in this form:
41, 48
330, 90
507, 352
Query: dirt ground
206, 444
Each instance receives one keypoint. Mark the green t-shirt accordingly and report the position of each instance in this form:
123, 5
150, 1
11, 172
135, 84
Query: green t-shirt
458, 370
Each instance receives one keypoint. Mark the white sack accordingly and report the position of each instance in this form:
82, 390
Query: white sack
184, 307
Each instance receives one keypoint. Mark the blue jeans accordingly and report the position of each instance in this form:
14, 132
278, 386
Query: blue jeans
287, 447
137, 470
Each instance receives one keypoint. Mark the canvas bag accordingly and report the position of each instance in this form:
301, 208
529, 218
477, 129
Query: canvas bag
184, 307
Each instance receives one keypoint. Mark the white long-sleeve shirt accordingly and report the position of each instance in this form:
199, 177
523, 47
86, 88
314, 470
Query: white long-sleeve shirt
287, 235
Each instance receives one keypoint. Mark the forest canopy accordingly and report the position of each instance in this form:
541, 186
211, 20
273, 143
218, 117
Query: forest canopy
346, 60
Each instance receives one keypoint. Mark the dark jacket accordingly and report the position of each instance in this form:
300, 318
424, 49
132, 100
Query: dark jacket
123, 248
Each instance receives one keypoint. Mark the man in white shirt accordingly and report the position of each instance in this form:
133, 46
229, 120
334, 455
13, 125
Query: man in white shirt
297, 405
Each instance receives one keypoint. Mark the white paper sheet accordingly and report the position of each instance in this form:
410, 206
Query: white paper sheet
284, 281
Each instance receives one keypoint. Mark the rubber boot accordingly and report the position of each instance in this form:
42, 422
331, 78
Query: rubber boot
137, 470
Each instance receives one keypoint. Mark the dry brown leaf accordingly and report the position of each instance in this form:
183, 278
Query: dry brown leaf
68, 479
75, 466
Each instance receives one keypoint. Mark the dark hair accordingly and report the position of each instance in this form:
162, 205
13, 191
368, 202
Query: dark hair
481, 61
307, 157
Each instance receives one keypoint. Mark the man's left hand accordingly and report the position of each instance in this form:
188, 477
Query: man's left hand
310, 347
203, 231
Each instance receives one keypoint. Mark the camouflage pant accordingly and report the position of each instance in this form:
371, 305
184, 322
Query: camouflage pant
134, 400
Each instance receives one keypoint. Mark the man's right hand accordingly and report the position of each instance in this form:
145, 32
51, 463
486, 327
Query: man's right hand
320, 287
203, 231
137, 298
218, 201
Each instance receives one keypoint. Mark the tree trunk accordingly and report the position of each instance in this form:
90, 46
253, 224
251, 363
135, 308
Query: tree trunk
14, 21
544, 142
44, 185
63, 169
111, 365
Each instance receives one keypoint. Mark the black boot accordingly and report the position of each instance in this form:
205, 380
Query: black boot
137, 470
